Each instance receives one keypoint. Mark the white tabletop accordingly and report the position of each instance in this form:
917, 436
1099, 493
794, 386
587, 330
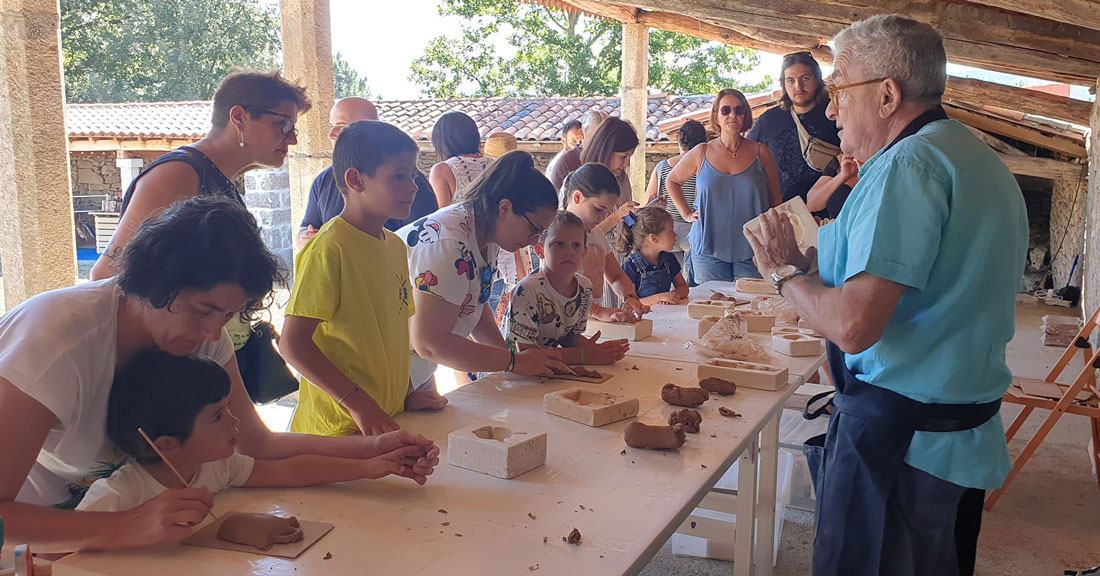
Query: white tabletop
631, 503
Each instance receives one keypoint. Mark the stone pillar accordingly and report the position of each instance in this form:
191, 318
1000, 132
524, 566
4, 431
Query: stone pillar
267, 195
1067, 220
1092, 223
634, 98
128, 169
36, 212
307, 58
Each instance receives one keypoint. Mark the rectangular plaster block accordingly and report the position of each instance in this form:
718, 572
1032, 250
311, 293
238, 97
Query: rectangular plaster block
803, 222
614, 330
496, 450
796, 345
747, 374
791, 330
706, 323
700, 308
754, 286
589, 407
758, 321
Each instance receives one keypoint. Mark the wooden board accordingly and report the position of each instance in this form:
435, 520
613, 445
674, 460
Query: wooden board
1044, 389
207, 537
604, 377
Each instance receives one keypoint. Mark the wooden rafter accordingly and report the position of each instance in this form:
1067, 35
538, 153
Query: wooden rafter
1020, 99
1084, 13
991, 123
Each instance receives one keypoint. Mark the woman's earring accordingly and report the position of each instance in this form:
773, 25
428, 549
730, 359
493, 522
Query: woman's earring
240, 139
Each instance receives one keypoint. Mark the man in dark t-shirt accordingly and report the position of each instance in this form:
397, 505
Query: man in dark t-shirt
326, 202
804, 91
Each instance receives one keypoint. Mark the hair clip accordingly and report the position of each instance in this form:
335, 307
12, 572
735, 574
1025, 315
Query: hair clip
629, 220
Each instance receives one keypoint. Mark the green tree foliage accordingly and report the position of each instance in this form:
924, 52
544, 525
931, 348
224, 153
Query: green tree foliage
560, 54
348, 81
159, 50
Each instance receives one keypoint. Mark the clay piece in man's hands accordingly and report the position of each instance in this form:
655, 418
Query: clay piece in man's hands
585, 372
680, 396
718, 386
640, 435
688, 418
259, 530
728, 413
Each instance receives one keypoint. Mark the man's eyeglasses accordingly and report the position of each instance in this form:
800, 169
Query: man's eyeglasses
740, 110
286, 126
834, 91
536, 232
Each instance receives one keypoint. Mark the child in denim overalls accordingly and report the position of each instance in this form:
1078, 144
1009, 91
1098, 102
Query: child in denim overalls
648, 239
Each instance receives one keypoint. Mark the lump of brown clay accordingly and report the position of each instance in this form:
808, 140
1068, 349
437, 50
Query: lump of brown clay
574, 537
728, 413
640, 435
718, 386
680, 396
259, 530
690, 419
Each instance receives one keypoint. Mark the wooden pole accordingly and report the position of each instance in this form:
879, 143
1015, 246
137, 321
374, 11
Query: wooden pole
635, 98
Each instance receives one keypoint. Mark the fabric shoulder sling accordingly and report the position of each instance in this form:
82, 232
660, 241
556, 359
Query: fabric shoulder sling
818, 153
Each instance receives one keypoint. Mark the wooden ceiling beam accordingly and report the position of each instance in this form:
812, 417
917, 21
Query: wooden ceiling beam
1067, 146
1024, 44
1084, 13
707, 31
1019, 99
1048, 168
604, 10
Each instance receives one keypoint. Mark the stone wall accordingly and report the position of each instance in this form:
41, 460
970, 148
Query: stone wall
1067, 231
1092, 226
267, 195
95, 173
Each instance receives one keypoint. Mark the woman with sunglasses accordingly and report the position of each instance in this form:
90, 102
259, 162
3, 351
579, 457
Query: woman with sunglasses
252, 126
736, 180
453, 254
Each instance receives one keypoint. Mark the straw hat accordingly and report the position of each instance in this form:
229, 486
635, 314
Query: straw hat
499, 144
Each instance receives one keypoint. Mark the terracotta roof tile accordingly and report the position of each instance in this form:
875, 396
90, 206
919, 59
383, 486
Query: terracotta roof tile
529, 119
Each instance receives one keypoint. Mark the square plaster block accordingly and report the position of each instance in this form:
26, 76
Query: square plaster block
706, 323
796, 345
496, 450
701, 308
758, 321
754, 286
791, 330
590, 407
632, 331
803, 222
747, 374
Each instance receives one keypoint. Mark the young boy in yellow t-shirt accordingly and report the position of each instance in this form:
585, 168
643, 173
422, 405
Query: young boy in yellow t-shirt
346, 325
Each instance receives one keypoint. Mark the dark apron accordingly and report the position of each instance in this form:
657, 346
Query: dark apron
864, 453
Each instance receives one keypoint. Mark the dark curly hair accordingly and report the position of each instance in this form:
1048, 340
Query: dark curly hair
163, 395
197, 244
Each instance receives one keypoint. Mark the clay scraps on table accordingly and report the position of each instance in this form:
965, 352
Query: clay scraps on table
718, 386
638, 435
690, 419
680, 396
573, 538
728, 413
260, 530
328, 556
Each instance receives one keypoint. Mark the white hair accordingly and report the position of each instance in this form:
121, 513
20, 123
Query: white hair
592, 119
893, 46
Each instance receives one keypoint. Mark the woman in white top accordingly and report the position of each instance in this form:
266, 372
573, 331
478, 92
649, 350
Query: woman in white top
457, 146
452, 260
183, 275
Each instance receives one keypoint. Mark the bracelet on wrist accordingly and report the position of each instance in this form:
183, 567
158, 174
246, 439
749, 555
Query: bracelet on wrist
347, 394
511, 361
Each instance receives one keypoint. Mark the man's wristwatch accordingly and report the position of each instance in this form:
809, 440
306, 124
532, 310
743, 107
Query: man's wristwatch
782, 274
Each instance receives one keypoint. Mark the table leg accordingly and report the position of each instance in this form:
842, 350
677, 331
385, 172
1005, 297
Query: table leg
765, 507
746, 510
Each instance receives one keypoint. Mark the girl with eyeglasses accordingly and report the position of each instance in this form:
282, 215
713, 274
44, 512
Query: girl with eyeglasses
736, 180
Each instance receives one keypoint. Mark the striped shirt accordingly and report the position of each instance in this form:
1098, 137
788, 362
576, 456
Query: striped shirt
663, 170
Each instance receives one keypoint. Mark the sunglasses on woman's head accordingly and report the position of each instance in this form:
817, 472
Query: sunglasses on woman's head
740, 110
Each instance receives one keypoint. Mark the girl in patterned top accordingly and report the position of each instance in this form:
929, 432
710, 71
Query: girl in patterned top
457, 146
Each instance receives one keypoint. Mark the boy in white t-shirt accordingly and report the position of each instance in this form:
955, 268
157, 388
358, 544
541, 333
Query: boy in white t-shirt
182, 402
549, 308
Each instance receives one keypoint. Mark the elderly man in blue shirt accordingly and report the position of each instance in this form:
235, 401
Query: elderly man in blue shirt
916, 296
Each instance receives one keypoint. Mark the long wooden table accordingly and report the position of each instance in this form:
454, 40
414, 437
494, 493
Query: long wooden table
625, 505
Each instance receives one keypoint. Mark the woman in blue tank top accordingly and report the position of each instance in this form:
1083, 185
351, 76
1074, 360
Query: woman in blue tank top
736, 180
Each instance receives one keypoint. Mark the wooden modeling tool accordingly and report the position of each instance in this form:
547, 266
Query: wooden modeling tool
168, 463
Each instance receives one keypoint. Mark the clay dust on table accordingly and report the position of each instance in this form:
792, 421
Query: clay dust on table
573, 538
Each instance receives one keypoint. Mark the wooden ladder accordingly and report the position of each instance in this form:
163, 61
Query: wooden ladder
1086, 380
